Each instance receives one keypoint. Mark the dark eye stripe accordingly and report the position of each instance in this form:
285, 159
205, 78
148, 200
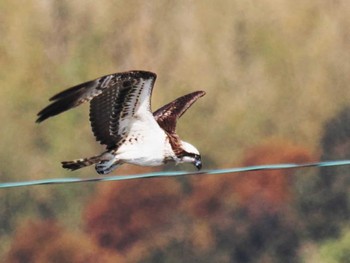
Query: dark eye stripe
193, 155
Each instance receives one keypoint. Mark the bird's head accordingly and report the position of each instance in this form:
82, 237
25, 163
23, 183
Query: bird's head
190, 154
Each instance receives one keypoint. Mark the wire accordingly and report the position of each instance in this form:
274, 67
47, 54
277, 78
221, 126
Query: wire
174, 173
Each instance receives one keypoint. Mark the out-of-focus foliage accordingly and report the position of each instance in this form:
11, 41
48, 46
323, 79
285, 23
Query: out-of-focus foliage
338, 250
271, 188
327, 206
331, 251
250, 215
261, 190
145, 205
45, 241
271, 69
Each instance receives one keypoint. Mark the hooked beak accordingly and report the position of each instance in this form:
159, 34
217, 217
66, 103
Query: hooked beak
198, 163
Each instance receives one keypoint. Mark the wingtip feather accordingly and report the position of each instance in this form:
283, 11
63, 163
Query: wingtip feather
200, 93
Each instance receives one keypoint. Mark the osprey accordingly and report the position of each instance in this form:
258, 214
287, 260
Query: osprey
121, 119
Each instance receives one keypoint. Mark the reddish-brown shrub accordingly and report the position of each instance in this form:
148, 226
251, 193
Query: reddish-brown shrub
268, 188
123, 213
213, 194
209, 195
45, 241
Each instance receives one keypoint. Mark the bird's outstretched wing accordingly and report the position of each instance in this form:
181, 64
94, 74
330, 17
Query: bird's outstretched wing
116, 101
168, 115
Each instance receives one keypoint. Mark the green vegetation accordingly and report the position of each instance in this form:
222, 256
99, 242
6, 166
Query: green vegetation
276, 75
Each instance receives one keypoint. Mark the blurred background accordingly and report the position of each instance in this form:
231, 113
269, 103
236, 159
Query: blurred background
276, 73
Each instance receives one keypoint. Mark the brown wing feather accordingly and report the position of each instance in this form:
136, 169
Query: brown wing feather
74, 96
109, 108
168, 115
110, 98
101, 108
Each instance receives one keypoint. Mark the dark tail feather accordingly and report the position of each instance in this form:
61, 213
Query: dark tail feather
80, 163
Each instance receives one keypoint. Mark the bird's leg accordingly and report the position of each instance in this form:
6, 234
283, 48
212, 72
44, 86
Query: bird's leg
108, 163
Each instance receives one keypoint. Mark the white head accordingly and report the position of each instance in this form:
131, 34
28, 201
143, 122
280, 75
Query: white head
190, 155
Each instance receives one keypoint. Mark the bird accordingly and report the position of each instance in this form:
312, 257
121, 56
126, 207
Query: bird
121, 119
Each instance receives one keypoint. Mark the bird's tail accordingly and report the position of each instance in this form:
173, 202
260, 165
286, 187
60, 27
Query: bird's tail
80, 163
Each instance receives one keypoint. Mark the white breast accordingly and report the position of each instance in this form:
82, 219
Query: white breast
147, 147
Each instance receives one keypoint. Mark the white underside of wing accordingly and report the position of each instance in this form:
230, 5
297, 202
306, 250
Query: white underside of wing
145, 142
138, 110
